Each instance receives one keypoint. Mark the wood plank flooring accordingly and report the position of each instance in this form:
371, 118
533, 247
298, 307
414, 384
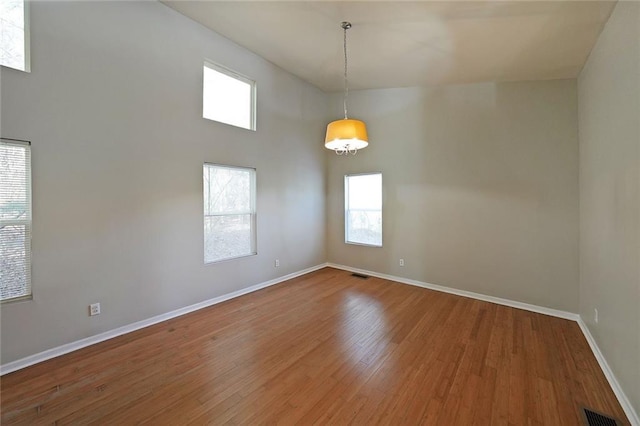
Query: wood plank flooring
325, 348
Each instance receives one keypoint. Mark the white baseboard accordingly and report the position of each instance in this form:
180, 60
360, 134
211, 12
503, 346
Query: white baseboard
622, 397
92, 340
464, 293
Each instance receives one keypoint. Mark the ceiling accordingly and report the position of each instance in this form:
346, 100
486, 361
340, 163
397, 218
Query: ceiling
400, 44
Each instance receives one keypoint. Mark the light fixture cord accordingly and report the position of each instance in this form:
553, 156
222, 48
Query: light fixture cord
346, 81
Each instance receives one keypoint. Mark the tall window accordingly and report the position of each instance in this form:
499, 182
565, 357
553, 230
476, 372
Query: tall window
363, 209
14, 34
15, 219
229, 212
228, 97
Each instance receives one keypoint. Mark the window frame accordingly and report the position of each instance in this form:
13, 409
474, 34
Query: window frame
346, 209
28, 222
253, 213
27, 39
240, 77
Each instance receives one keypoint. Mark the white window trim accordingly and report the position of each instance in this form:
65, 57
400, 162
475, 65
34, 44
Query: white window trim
28, 223
27, 36
253, 213
346, 211
233, 74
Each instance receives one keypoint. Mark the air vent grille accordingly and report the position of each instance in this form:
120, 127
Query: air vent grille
593, 418
364, 277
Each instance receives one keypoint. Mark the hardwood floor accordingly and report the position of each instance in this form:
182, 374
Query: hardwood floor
325, 348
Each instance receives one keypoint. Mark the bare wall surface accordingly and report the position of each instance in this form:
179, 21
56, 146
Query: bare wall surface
609, 126
480, 188
113, 107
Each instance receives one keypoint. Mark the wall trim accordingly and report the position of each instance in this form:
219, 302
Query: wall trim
611, 378
464, 293
92, 340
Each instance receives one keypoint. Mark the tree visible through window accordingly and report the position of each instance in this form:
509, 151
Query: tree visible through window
363, 209
15, 219
229, 212
14, 52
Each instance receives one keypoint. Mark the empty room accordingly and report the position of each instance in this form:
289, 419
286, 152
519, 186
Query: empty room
320, 212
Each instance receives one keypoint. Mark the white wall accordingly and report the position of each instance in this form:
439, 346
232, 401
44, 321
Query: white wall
113, 108
609, 129
480, 188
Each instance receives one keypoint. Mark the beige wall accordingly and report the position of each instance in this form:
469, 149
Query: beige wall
480, 188
609, 128
113, 107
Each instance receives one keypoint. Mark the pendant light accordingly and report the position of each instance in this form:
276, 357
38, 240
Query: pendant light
346, 136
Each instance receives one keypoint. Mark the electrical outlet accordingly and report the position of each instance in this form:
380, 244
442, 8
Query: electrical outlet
595, 315
94, 309
401, 262
277, 263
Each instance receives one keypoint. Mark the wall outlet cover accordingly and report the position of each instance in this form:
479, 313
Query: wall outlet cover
94, 309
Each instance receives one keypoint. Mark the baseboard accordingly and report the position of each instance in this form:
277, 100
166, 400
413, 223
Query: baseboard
464, 293
613, 382
92, 340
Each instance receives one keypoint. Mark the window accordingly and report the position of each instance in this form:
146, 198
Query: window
363, 209
14, 34
229, 212
15, 219
228, 97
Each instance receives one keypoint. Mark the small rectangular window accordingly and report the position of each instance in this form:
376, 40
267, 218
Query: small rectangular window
363, 209
228, 97
15, 220
14, 34
229, 212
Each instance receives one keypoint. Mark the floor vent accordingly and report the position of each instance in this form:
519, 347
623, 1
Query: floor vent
364, 277
593, 418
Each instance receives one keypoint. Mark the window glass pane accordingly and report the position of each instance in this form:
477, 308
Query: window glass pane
12, 34
228, 236
229, 190
363, 209
365, 191
14, 195
365, 227
227, 99
14, 261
